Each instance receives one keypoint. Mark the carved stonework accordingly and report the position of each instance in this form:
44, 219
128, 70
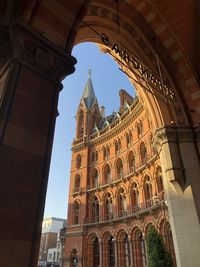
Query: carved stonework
163, 135
44, 56
172, 134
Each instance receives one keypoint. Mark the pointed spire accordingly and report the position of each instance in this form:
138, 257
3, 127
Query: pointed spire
88, 94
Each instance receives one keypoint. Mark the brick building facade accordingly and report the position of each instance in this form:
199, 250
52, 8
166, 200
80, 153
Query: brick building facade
116, 190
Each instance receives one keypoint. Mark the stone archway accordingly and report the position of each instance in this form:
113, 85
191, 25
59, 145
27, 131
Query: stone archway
36, 42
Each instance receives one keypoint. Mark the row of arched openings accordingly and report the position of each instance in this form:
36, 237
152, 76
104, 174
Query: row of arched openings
106, 153
124, 250
137, 202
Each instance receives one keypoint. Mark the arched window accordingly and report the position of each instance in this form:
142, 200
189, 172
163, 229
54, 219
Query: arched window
128, 140
143, 153
95, 210
148, 192
120, 171
121, 198
117, 147
134, 198
81, 123
77, 183
108, 207
127, 260
95, 178
96, 254
94, 157
140, 251
131, 162
139, 127
76, 209
111, 252
107, 174
78, 161
73, 258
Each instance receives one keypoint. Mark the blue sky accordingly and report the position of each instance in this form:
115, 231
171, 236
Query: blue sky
107, 81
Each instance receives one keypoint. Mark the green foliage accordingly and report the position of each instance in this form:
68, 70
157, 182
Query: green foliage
158, 255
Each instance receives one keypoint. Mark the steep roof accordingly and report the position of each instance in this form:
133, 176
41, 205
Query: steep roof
88, 94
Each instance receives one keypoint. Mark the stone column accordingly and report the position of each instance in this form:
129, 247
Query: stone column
31, 70
131, 251
181, 172
116, 254
100, 254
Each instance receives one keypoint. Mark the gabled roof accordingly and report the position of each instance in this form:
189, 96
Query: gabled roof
88, 94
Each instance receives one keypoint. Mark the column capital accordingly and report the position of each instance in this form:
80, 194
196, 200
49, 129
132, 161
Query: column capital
21, 44
172, 134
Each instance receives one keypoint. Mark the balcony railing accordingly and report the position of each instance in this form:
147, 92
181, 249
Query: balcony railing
152, 203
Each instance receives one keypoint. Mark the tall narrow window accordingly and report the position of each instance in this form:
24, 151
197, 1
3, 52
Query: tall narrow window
108, 207
95, 210
126, 251
134, 198
131, 162
96, 255
148, 191
94, 180
111, 252
121, 202
81, 124
76, 209
120, 171
107, 175
78, 161
143, 153
77, 183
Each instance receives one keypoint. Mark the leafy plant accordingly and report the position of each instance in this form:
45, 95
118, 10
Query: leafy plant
157, 253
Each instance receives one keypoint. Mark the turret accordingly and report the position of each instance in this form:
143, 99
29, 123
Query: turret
88, 113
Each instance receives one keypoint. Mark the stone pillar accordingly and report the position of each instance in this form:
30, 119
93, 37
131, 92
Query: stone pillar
116, 254
100, 254
31, 69
181, 172
131, 251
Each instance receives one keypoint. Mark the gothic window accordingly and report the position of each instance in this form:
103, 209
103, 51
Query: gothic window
119, 167
147, 191
107, 173
76, 210
143, 153
96, 254
142, 251
77, 183
95, 178
73, 258
95, 210
126, 251
106, 152
131, 162
117, 147
108, 207
127, 139
134, 198
94, 157
81, 123
139, 127
111, 252
121, 202
78, 161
